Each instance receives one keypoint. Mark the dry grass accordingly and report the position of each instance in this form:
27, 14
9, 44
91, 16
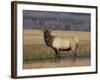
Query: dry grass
52, 64
36, 36
35, 49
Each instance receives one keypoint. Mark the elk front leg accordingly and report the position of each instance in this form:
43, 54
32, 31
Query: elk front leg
57, 55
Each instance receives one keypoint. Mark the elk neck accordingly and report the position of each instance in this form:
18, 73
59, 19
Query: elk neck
48, 38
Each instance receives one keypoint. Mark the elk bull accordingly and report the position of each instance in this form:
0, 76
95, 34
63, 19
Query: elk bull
60, 44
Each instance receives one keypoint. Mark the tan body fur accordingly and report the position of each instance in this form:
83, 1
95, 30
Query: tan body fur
60, 44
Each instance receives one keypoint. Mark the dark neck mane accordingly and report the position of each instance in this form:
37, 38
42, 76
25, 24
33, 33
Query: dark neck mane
48, 40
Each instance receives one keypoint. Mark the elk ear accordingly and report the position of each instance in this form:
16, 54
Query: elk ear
42, 28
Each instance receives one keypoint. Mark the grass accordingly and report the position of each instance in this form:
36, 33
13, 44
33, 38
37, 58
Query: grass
52, 64
35, 49
41, 51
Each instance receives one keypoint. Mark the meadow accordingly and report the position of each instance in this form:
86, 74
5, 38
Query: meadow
38, 55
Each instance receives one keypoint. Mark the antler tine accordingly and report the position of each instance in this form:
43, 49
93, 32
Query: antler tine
58, 20
53, 26
41, 26
47, 28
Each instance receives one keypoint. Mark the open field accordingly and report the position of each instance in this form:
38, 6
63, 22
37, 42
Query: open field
63, 63
38, 55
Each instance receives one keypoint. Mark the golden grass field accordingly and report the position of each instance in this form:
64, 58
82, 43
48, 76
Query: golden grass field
38, 55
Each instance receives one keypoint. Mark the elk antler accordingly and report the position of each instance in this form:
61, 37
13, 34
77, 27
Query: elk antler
41, 23
56, 22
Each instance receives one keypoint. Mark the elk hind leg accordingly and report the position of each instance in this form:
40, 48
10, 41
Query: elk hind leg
74, 55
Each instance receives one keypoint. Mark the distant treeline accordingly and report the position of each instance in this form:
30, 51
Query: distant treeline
67, 21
